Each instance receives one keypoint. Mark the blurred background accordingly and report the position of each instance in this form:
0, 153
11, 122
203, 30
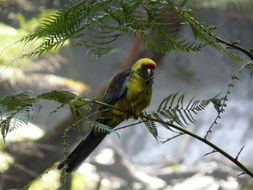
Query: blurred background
134, 159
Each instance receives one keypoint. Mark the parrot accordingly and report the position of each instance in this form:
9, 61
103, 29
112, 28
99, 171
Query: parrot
131, 91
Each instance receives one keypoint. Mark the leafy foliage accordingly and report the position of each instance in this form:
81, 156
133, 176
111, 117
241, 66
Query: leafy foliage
17, 70
10, 50
18, 109
77, 105
174, 109
151, 126
97, 24
15, 110
110, 19
101, 128
205, 33
63, 97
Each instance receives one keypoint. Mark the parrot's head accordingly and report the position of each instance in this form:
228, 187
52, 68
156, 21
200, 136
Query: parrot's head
145, 68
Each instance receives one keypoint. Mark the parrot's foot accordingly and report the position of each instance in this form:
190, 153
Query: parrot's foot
133, 115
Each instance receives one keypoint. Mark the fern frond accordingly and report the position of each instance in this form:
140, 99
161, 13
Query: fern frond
204, 33
60, 27
5, 126
159, 117
151, 126
100, 52
20, 101
101, 128
172, 43
55, 25
174, 109
97, 24
63, 97
16, 110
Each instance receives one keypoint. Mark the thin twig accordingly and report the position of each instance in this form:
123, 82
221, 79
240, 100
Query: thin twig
240, 174
213, 151
225, 98
227, 43
240, 151
232, 45
65, 175
65, 154
171, 138
202, 139
103, 104
126, 126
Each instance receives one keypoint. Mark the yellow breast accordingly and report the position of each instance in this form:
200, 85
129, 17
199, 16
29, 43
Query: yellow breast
135, 86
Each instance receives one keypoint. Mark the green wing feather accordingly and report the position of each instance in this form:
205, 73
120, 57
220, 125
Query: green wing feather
117, 88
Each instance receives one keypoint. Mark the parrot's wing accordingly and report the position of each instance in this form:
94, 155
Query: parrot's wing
117, 88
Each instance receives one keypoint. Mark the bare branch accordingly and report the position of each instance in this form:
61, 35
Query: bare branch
126, 126
222, 103
240, 174
213, 151
204, 140
171, 138
240, 151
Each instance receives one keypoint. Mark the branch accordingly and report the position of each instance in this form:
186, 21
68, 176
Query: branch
171, 138
213, 151
182, 130
126, 126
222, 104
234, 46
240, 151
228, 156
94, 101
229, 44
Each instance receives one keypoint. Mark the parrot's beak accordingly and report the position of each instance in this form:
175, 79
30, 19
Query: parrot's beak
149, 71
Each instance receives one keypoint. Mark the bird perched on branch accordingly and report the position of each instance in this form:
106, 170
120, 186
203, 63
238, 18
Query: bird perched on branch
129, 91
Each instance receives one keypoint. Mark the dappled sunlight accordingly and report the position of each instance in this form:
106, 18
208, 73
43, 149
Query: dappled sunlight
194, 57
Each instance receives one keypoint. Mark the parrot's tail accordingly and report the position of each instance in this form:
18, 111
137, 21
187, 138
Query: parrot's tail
82, 151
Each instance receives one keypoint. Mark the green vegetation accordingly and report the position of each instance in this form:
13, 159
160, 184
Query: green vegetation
97, 25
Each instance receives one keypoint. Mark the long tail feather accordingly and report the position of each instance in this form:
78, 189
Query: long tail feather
82, 151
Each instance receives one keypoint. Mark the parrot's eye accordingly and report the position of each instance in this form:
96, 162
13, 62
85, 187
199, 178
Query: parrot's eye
146, 71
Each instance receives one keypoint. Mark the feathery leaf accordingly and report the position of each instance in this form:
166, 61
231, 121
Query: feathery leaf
174, 109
